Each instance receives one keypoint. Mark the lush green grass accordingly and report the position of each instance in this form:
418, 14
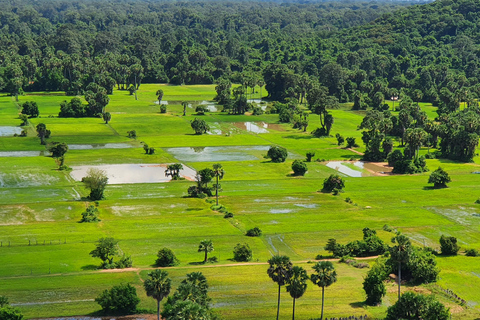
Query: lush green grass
44, 249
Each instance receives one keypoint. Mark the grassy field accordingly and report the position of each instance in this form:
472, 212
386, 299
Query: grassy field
45, 267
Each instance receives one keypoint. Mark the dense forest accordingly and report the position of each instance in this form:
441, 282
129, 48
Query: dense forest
322, 53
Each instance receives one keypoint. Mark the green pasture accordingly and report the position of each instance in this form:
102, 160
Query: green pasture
45, 267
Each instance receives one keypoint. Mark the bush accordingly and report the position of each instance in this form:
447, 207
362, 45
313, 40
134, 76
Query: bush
200, 110
309, 156
96, 180
257, 111
121, 299
319, 132
472, 253
242, 252
374, 285
228, 215
340, 139
351, 142
30, 108
277, 154
393, 157
439, 178
417, 306
124, 262
166, 258
477, 201
163, 108
212, 259
333, 182
255, 232
299, 168
132, 134
90, 215
448, 245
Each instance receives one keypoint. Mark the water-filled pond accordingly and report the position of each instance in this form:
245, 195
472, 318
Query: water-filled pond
23, 153
344, 168
258, 127
211, 154
132, 173
100, 146
9, 131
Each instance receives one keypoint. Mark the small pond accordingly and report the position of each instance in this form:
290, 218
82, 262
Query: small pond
15, 154
346, 168
258, 127
164, 102
211, 154
132, 173
212, 107
100, 146
9, 131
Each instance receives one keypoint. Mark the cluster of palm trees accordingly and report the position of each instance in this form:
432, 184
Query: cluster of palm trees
282, 271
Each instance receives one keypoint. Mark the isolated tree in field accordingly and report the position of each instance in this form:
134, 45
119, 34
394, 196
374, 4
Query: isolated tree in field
107, 117
340, 139
413, 306
57, 149
24, 119
332, 183
374, 285
324, 276
106, 249
448, 245
90, 214
218, 172
242, 252
439, 178
30, 108
158, 286
200, 126
166, 258
184, 105
42, 133
173, 170
159, 94
205, 246
400, 254
279, 270
96, 180
299, 167
121, 300
297, 285
277, 154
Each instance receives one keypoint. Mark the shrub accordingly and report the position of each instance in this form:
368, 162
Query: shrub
309, 156
200, 110
242, 252
333, 182
477, 201
200, 126
228, 215
166, 258
439, 178
448, 245
374, 285
124, 262
96, 180
255, 232
121, 299
212, 259
393, 157
132, 134
299, 168
90, 215
30, 108
24, 119
257, 111
472, 253
351, 142
163, 108
319, 132
417, 306
277, 154
340, 139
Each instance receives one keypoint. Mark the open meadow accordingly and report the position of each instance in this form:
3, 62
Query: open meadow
45, 266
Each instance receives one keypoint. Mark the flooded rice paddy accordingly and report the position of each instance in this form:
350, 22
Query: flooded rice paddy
358, 169
9, 131
100, 146
258, 127
211, 154
133, 173
15, 154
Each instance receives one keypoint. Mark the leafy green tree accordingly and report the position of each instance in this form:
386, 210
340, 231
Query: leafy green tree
159, 94
97, 99
448, 245
324, 276
30, 108
205, 246
200, 126
439, 178
400, 254
224, 91
57, 149
121, 299
277, 154
24, 119
72, 109
351, 142
340, 139
413, 306
279, 270
299, 167
7, 312
96, 180
158, 286
309, 156
173, 170
374, 284
332, 183
107, 116
242, 252
254, 232
90, 215
106, 249
185, 105
166, 258
297, 285
42, 133
218, 173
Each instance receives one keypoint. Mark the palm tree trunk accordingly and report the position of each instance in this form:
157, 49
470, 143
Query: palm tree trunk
216, 190
293, 314
278, 305
399, 278
206, 253
158, 309
323, 300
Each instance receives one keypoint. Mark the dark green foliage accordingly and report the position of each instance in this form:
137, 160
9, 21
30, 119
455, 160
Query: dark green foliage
439, 178
173, 170
299, 167
199, 126
107, 116
7, 312
257, 111
200, 110
57, 149
124, 262
24, 119
333, 182
97, 99
119, 300
106, 249
228, 215
351, 142
448, 245
371, 245
340, 139
132, 134
42, 133
96, 180
158, 286
472, 253
72, 109
254, 232
90, 215
30, 108
374, 285
163, 108
408, 166
413, 306
277, 154
394, 157
166, 258
279, 270
309, 156
242, 252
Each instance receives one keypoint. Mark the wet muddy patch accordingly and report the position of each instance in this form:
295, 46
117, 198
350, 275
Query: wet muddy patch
212, 154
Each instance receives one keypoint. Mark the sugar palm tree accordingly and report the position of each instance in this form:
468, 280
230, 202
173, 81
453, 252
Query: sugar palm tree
297, 285
159, 94
400, 253
218, 173
158, 286
185, 105
279, 271
205, 246
324, 276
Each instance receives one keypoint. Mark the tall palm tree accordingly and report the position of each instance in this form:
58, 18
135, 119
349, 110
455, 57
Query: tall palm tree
297, 285
400, 253
185, 105
158, 286
218, 173
324, 276
159, 94
279, 271
205, 246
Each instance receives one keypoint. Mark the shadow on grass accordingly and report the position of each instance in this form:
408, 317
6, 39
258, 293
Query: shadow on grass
359, 304
305, 137
90, 267
197, 263
194, 209
352, 156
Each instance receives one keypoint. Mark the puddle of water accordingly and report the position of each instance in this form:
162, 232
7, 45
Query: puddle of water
9, 131
132, 173
215, 129
100, 146
258, 127
281, 210
162, 102
209, 105
23, 153
307, 206
210, 154
340, 167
